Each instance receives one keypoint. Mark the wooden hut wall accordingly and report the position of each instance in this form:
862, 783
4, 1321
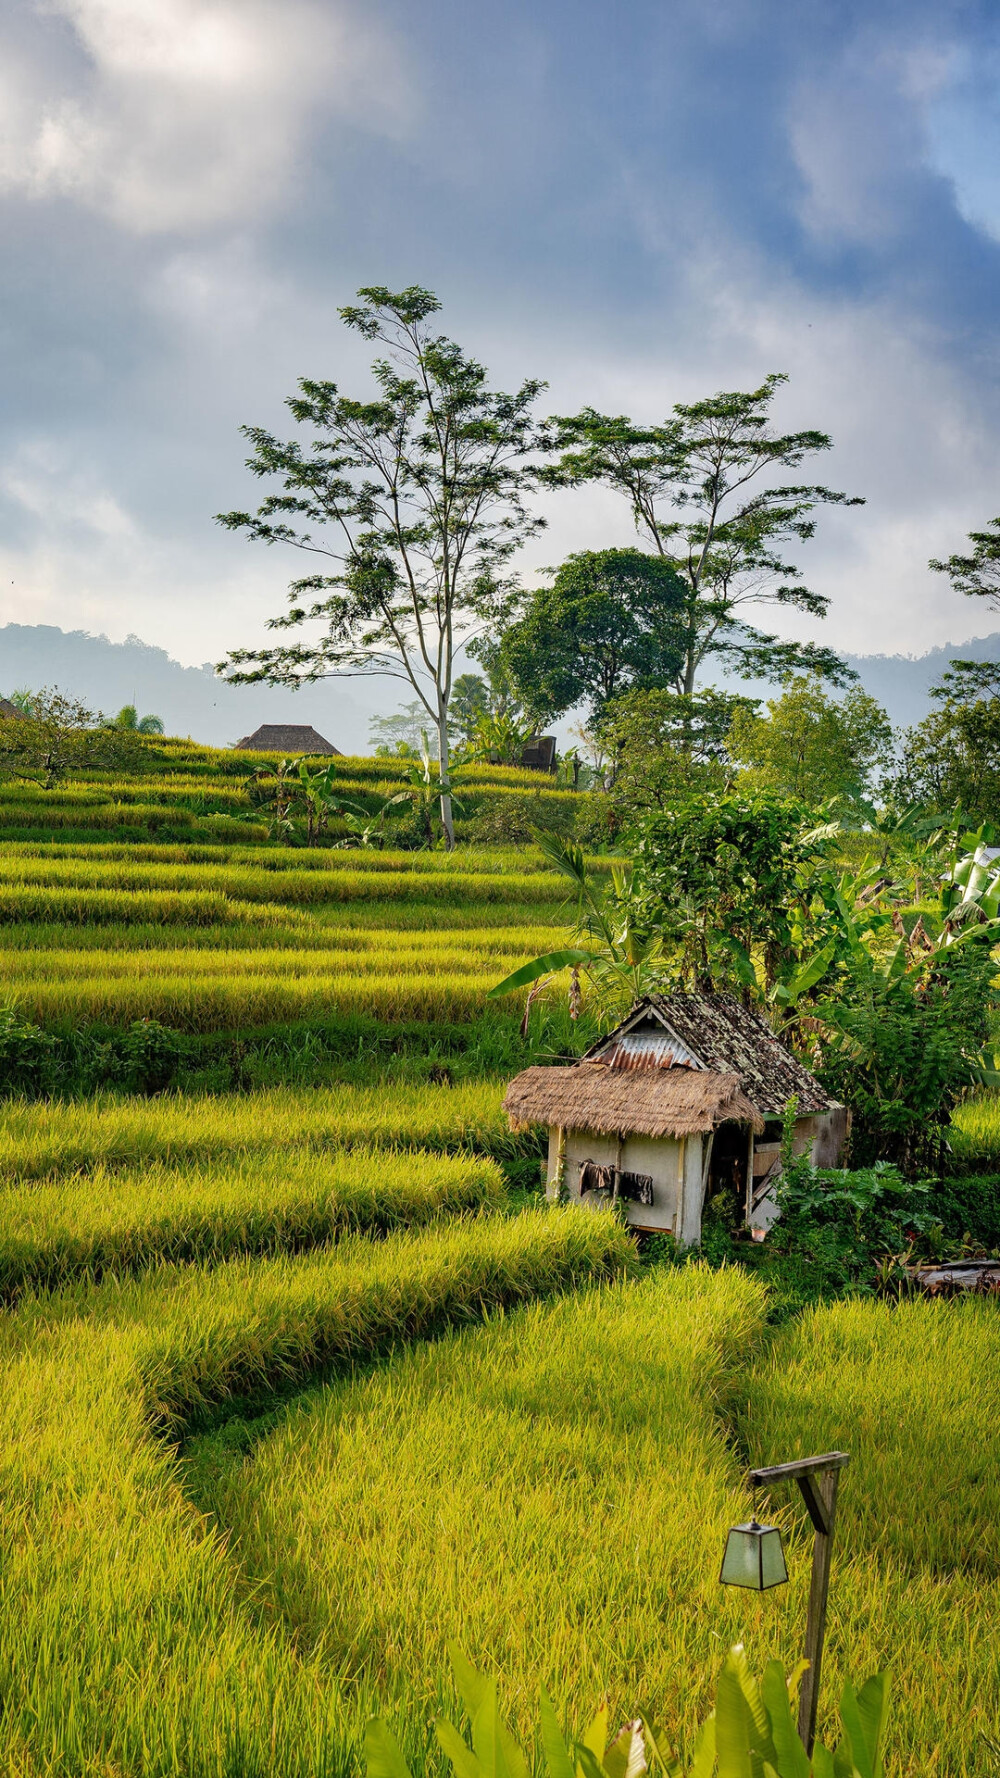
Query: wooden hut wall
675, 1167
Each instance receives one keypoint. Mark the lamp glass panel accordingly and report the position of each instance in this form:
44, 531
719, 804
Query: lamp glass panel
753, 1558
772, 1558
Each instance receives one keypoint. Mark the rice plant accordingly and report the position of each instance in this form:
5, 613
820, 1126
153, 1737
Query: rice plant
913, 1393
127, 1643
40, 1142
120, 1222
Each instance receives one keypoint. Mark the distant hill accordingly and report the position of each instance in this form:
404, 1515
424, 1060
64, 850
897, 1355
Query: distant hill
902, 682
190, 700
193, 702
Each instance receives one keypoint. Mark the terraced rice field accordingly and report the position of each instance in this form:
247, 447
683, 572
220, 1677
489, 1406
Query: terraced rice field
296, 1388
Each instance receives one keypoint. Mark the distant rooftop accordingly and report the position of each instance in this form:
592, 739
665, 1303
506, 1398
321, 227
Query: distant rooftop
8, 709
287, 737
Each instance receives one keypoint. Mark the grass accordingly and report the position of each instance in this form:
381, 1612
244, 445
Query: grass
99, 1222
975, 1129
913, 1394
37, 1143
553, 1490
125, 1642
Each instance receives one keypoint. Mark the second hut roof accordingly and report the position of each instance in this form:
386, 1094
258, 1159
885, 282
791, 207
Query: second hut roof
656, 1102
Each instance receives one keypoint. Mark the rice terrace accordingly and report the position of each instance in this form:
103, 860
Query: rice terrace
305, 1379
499, 948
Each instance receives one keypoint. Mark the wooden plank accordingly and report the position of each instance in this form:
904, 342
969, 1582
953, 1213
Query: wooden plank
806, 1466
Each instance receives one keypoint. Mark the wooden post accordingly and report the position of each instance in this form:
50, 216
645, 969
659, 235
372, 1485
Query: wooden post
823, 1493
679, 1213
817, 1478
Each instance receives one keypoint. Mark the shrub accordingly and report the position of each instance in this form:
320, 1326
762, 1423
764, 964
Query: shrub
504, 819
27, 1054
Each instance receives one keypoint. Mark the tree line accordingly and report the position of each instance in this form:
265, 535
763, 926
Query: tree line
416, 501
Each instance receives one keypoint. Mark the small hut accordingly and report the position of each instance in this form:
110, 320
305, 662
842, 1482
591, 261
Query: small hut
539, 754
287, 737
684, 1100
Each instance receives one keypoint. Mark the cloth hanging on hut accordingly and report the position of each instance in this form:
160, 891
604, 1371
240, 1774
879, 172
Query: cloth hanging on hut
596, 1179
637, 1187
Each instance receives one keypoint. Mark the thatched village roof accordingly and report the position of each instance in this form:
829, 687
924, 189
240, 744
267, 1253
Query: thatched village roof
287, 737
654, 1102
713, 1032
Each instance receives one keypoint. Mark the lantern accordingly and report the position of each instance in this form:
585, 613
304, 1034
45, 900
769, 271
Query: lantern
754, 1558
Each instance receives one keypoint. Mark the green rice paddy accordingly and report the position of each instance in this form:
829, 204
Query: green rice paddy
296, 1388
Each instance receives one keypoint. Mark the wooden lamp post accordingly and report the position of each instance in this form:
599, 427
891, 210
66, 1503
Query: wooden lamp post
754, 1559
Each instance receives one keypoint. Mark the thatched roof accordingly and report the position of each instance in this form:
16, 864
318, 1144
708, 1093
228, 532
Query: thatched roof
656, 1102
714, 1032
287, 737
9, 710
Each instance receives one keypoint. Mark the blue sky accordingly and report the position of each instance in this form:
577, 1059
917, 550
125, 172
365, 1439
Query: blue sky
641, 202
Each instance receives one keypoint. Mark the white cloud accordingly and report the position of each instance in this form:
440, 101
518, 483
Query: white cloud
46, 483
192, 112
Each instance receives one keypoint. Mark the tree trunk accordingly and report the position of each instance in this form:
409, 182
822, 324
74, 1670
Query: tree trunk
447, 820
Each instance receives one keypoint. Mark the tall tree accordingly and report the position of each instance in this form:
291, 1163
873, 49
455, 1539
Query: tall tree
952, 758
611, 622
978, 574
698, 489
417, 498
811, 746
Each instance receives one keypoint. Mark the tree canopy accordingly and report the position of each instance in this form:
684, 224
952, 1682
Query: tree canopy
952, 759
660, 745
700, 489
810, 746
610, 622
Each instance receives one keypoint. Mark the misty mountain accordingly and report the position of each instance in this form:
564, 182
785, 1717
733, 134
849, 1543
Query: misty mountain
191, 701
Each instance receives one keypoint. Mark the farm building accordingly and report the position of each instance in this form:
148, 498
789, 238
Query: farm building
682, 1101
287, 737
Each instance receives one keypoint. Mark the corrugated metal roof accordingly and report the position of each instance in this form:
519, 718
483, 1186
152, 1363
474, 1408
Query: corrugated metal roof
717, 1033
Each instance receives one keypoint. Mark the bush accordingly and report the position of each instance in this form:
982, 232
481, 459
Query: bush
152, 1055
27, 1055
504, 819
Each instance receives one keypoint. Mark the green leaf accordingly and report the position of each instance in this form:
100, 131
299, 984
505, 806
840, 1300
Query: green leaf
596, 1738
558, 1759
486, 1735
463, 1760
657, 1746
863, 1716
383, 1756
806, 976
704, 1750
792, 1761
626, 1756
732, 1740
472, 1686
530, 972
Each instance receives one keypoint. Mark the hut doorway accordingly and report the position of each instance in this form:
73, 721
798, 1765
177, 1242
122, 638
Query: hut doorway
726, 1187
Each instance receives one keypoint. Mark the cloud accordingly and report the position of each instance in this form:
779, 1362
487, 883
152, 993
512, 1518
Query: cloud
185, 114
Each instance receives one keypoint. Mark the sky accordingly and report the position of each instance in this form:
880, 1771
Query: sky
642, 202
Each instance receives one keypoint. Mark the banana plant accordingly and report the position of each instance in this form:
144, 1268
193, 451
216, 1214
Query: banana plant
970, 894
424, 791
622, 958
273, 787
750, 1734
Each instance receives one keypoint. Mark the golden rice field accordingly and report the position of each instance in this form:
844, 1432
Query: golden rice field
296, 1388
